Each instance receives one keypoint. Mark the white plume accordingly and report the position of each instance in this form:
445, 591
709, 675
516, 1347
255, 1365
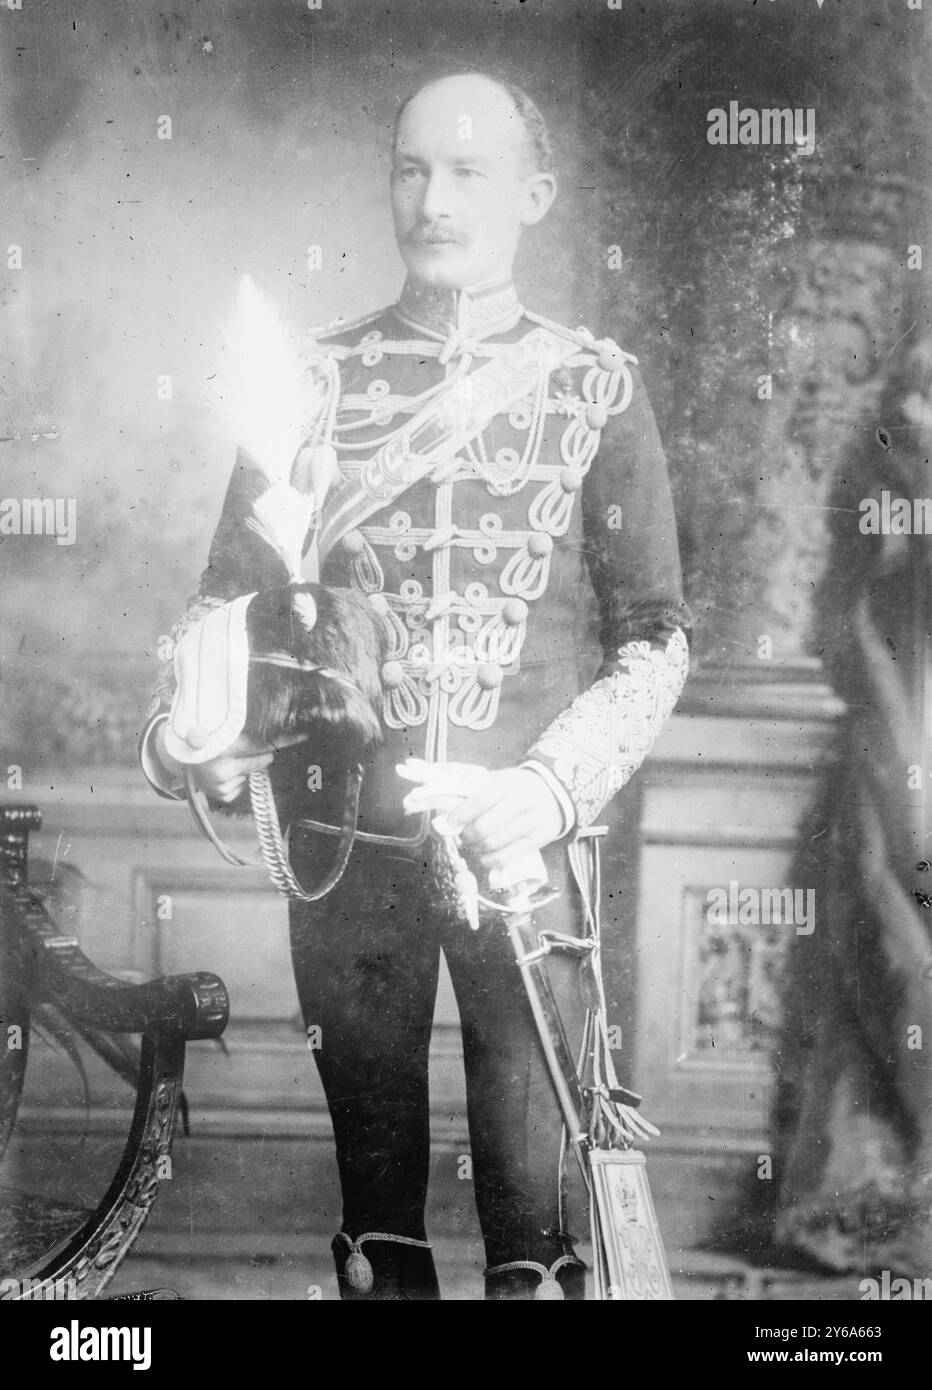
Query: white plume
273, 397
269, 390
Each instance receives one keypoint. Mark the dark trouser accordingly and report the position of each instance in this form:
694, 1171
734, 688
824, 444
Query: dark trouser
366, 962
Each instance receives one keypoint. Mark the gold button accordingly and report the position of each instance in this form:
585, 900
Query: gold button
514, 611
540, 545
489, 675
393, 674
611, 358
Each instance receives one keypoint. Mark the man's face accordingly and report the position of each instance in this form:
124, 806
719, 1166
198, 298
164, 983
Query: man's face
462, 184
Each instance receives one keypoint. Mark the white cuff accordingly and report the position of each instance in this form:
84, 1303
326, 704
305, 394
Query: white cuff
155, 771
564, 800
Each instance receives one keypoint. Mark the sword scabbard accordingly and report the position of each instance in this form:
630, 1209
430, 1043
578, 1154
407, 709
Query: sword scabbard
545, 1010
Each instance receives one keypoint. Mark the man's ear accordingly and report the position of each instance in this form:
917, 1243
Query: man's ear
539, 192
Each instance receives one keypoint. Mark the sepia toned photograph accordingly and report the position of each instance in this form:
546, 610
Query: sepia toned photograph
465, 657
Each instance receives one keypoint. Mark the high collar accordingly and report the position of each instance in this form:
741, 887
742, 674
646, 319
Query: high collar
475, 312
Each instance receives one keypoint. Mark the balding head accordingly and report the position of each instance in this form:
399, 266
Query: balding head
471, 168
468, 86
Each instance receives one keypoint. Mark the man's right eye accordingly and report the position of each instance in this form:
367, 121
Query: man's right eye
407, 172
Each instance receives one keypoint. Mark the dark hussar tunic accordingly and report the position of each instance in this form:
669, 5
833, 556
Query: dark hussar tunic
531, 595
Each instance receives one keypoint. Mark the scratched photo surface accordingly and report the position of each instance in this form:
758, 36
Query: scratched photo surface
742, 206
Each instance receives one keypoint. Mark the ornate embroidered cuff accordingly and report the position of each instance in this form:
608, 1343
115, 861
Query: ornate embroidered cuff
594, 747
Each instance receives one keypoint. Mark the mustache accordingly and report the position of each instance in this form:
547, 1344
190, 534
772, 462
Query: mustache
432, 234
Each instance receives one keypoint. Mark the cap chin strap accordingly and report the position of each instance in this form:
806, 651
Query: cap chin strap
273, 846
271, 842
265, 815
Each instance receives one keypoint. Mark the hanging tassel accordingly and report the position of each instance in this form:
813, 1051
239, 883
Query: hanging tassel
548, 1288
358, 1271
467, 891
314, 470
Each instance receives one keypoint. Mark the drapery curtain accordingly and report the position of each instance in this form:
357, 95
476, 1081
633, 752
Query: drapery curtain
776, 301
854, 1117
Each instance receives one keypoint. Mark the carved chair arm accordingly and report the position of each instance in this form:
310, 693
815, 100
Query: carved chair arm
190, 1006
41, 961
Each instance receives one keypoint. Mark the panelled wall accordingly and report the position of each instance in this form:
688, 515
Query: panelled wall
723, 800
720, 800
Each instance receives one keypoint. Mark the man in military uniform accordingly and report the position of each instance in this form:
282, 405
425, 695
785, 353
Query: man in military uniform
529, 586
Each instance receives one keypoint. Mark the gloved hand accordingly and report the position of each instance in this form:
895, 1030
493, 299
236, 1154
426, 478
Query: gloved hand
507, 816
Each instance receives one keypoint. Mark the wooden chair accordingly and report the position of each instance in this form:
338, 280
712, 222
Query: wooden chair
52, 1249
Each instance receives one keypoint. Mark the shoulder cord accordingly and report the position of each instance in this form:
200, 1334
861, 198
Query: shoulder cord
271, 841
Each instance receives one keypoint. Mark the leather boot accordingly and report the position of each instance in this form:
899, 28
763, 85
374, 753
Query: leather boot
377, 1266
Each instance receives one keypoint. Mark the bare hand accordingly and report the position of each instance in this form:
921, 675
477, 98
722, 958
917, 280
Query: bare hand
223, 777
